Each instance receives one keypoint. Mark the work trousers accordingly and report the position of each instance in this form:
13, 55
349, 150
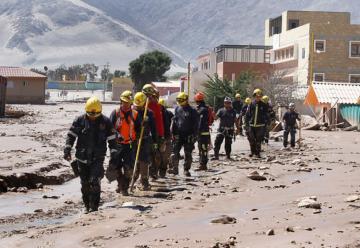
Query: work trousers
226, 134
91, 174
203, 146
178, 143
255, 137
292, 131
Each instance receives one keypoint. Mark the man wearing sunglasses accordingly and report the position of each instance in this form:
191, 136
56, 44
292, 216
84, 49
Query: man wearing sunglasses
92, 131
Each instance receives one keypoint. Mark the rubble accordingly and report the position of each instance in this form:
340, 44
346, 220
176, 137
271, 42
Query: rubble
309, 202
256, 176
224, 219
352, 198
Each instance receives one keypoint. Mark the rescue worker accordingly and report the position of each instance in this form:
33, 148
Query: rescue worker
92, 131
238, 105
289, 120
272, 118
243, 113
165, 156
184, 130
204, 130
125, 121
226, 130
256, 119
151, 92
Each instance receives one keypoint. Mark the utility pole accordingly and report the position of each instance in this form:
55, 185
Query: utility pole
188, 78
107, 69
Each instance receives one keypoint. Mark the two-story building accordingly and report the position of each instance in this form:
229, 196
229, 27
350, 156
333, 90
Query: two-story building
314, 46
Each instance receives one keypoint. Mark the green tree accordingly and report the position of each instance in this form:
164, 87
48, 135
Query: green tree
216, 89
119, 73
149, 67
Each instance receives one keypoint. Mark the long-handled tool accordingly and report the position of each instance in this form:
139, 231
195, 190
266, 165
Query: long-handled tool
300, 138
139, 146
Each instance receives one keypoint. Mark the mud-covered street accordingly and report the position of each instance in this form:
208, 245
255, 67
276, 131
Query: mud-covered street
305, 197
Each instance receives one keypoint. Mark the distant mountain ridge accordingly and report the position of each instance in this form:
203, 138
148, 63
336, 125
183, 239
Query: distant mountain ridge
48, 32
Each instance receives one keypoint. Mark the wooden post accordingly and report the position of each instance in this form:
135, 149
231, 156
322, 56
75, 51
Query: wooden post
3, 84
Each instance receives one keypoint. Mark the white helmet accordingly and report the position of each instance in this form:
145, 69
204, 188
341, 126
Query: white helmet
291, 105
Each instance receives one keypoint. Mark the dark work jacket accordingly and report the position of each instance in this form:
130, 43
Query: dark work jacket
149, 126
243, 110
227, 118
91, 137
185, 121
237, 105
203, 112
272, 114
257, 114
168, 115
290, 118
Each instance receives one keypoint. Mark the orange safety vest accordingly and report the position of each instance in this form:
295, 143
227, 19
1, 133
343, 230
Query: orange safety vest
126, 127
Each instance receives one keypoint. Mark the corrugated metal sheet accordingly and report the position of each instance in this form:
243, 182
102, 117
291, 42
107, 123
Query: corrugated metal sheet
351, 113
332, 92
12, 72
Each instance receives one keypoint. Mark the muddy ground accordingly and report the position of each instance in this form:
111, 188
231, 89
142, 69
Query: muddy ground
307, 197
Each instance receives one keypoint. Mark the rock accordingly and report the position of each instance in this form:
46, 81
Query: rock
51, 197
317, 211
224, 219
39, 186
304, 169
296, 161
290, 229
3, 134
128, 204
22, 190
232, 240
309, 202
270, 232
263, 168
296, 182
3, 186
38, 210
256, 176
352, 198
68, 202
187, 198
270, 158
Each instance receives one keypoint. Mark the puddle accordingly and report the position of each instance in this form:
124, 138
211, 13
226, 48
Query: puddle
17, 203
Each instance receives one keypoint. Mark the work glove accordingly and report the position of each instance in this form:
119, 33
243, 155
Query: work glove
67, 154
155, 146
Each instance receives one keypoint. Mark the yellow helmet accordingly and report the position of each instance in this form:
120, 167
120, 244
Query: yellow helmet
93, 107
126, 96
237, 95
149, 90
257, 92
182, 98
265, 99
162, 102
139, 99
247, 101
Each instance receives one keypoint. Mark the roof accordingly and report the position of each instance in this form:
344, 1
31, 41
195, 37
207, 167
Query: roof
18, 72
170, 84
332, 92
249, 46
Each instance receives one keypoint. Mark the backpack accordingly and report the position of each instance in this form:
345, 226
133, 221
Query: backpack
211, 115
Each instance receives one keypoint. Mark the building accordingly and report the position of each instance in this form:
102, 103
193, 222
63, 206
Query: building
333, 102
228, 61
168, 88
314, 46
3, 83
23, 86
119, 85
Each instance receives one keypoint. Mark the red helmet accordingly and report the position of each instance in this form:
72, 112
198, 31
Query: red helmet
199, 97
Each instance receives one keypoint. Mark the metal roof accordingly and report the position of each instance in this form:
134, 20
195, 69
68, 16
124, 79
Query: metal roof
169, 84
18, 72
332, 92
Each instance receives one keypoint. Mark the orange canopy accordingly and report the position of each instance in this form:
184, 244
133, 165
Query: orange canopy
311, 98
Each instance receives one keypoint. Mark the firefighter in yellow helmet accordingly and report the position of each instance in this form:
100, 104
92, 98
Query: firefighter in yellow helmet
159, 147
165, 155
185, 129
125, 121
149, 138
243, 112
256, 119
272, 118
92, 131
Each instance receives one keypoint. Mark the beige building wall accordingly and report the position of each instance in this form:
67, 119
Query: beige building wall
119, 85
336, 62
25, 90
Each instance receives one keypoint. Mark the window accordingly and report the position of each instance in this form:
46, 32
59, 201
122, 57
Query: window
25, 84
303, 53
354, 78
293, 24
319, 77
354, 49
319, 46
